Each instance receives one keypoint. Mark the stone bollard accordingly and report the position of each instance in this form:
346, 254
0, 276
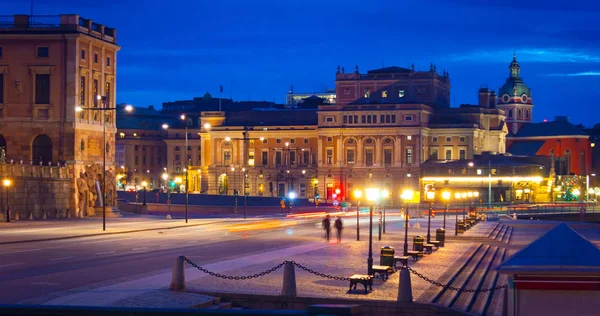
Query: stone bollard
30, 216
289, 280
16, 216
178, 278
404, 287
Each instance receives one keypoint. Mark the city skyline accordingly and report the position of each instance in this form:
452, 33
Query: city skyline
165, 57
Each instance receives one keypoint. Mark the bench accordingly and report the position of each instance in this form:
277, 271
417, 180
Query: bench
428, 248
415, 254
365, 280
435, 243
383, 271
402, 259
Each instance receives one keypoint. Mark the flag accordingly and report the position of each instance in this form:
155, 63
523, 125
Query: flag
221, 88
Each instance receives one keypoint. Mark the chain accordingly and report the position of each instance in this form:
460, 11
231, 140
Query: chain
450, 287
323, 275
231, 277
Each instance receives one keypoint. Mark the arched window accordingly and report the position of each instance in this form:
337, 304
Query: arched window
510, 113
519, 114
2, 149
41, 149
526, 114
567, 158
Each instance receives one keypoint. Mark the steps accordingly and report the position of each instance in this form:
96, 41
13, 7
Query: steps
502, 233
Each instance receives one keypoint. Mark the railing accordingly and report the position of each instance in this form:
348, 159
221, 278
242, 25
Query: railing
36, 171
49, 21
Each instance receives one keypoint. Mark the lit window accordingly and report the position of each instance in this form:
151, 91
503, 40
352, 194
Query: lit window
434, 139
408, 137
384, 94
329, 119
122, 135
401, 93
367, 93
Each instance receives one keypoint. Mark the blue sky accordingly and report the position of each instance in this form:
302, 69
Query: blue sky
173, 50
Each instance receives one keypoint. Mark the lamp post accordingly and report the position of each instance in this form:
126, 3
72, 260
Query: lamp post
373, 196
407, 195
446, 196
430, 195
475, 197
385, 195
165, 176
463, 196
357, 195
291, 197
469, 202
144, 185
457, 196
235, 192
103, 109
187, 166
7, 183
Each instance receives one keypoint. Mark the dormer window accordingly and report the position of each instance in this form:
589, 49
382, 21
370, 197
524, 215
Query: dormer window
367, 93
384, 94
401, 93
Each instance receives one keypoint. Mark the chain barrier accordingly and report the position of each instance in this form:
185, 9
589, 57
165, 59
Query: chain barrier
252, 276
450, 287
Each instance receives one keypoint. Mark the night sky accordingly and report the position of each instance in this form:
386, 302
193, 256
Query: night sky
174, 50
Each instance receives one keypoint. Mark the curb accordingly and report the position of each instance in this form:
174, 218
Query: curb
102, 234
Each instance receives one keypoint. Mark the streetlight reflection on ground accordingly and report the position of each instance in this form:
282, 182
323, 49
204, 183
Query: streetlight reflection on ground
357, 196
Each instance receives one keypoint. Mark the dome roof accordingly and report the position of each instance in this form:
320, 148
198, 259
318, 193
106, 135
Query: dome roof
514, 87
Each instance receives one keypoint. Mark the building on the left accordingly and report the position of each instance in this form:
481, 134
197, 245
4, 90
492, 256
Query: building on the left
49, 66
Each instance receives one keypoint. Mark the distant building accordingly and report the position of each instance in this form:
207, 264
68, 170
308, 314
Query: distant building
295, 99
208, 103
514, 98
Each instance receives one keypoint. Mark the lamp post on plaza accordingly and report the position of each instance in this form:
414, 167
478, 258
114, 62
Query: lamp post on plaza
446, 196
373, 196
7, 183
103, 109
407, 195
165, 176
464, 196
291, 197
187, 166
457, 196
469, 201
385, 195
357, 195
144, 185
430, 195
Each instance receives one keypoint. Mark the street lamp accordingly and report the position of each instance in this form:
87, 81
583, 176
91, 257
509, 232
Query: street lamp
385, 195
7, 183
291, 197
457, 196
476, 196
187, 166
357, 195
407, 195
373, 195
165, 176
464, 196
430, 195
103, 109
144, 184
446, 196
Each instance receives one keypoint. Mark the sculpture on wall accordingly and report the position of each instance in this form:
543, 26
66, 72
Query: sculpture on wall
87, 191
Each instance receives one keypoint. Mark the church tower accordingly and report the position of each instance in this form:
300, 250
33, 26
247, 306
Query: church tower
515, 98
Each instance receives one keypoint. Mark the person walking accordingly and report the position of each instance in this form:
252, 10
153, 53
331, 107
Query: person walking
327, 227
339, 226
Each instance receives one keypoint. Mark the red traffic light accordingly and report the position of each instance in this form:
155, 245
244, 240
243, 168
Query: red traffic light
337, 191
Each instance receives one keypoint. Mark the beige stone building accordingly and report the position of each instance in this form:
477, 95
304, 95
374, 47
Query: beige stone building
49, 65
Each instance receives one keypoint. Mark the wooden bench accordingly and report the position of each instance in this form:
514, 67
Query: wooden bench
428, 248
402, 259
415, 254
365, 280
435, 243
383, 271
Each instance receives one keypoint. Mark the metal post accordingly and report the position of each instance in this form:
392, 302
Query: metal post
489, 184
7, 206
370, 259
187, 166
384, 219
245, 134
445, 211
406, 229
380, 225
104, 168
169, 203
429, 221
456, 222
357, 220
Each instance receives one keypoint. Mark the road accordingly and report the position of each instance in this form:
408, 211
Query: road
38, 269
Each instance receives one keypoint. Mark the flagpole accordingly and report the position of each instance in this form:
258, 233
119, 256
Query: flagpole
220, 96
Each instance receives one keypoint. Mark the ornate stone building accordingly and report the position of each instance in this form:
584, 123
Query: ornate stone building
49, 65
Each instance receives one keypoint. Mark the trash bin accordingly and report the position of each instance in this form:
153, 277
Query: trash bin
440, 235
460, 226
418, 243
387, 256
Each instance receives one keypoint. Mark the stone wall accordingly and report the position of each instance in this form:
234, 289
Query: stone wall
38, 192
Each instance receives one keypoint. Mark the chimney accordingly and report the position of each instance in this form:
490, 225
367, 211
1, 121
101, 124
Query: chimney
484, 97
493, 100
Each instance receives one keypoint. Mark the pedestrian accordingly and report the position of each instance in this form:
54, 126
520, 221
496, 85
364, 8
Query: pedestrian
338, 226
327, 227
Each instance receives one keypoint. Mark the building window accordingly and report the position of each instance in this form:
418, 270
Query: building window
82, 91
83, 54
394, 118
408, 118
329, 119
95, 88
448, 154
292, 140
122, 135
519, 114
408, 137
136, 147
369, 159
345, 120
434, 139
462, 139
510, 113
265, 141
448, 139
278, 140
329, 160
350, 156
292, 157
387, 156
43, 52
462, 154
409, 157
369, 121
95, 58
264, 158
176, 157
434, 154
306, 140
176, 147
527, 114
367, 93
1, 88
143, 160
363, 119
136, 160
400, 93
355, 119
277, 158
42, 89
374, 119
1, 52
384, 94
107, 92
329, 139
107, 61
226, 157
